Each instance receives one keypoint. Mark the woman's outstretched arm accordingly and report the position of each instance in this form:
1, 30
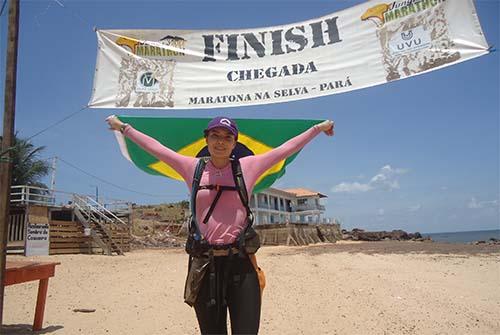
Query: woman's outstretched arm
184, 165
254, 166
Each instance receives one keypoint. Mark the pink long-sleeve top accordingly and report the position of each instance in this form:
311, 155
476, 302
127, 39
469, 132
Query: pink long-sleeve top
229, 216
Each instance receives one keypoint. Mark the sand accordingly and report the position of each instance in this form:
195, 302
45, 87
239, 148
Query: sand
344, 288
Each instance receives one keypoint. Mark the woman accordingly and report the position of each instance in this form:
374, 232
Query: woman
235, 279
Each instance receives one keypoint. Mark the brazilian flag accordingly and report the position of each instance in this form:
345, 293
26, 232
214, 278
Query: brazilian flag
185, 136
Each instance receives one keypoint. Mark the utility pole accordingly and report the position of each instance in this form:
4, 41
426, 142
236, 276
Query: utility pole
53, 177
96, 192
8, 139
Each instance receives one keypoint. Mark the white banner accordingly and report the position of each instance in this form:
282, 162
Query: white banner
366, 45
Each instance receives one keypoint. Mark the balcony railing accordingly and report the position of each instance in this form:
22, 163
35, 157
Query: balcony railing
262, 205
300, 208
24, 194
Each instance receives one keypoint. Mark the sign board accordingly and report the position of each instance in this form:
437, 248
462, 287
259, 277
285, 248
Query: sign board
37, 239
37, 231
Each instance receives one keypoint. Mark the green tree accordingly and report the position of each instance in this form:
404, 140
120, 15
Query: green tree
28, 168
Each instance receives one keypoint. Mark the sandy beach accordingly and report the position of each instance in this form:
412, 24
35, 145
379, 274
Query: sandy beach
344, 288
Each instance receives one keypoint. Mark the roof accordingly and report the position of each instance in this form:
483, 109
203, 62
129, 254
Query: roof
303, 192
279, 191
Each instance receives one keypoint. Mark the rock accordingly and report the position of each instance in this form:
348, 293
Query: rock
399, 235
158, 239
494, 241
84, 310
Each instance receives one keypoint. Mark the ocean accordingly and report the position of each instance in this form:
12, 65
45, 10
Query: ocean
464, 236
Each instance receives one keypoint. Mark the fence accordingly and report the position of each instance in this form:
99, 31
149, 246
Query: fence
297, 233
16, 227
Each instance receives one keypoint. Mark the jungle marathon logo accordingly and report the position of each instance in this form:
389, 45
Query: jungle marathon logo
167, 47
382, 13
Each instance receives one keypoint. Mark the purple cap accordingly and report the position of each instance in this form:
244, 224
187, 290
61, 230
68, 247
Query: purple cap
223, 122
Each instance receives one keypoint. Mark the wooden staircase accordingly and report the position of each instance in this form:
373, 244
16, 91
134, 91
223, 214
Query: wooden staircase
98, 222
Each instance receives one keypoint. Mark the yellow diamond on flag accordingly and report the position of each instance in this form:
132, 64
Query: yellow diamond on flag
194, 148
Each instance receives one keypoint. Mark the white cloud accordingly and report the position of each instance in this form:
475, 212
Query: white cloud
380, 215
386, 179
474, 204
351, 188
415, 208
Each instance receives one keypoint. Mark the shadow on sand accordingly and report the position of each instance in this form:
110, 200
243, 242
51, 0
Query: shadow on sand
22, 329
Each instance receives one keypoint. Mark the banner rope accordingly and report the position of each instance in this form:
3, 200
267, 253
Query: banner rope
56, 123
3, 7
61, 4
74, 13
115, 185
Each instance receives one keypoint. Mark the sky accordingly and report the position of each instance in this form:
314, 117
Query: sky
425, 159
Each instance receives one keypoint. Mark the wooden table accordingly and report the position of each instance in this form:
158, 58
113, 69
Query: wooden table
17, 272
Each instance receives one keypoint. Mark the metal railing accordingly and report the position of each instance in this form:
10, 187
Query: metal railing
117, 206
298, 208
292, 208
95, 210
24, 194
89, 211
262, 205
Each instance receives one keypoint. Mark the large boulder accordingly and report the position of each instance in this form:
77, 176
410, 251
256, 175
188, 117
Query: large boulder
398, 235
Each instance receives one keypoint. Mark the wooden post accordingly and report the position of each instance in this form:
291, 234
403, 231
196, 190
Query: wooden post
8, 139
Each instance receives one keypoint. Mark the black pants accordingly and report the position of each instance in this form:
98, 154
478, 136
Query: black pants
237, 289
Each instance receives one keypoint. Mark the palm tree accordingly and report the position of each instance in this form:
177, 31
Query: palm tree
27, 168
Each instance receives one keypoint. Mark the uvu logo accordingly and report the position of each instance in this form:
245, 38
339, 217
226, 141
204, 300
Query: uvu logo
148, 80
407, 36
410, 40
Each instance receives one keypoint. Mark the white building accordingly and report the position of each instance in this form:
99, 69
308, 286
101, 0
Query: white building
296, 205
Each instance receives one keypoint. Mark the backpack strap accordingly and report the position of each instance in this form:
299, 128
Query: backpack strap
195, 186
220, 189
239, 185
239, 182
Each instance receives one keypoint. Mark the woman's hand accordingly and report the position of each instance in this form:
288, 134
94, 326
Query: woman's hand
327, 127
114, 123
